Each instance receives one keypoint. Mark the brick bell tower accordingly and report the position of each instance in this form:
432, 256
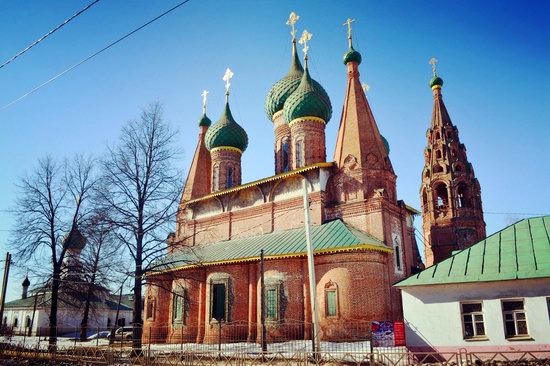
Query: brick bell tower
452, 213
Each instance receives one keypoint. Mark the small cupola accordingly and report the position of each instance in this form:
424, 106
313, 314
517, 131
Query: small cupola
226, 140
25, 287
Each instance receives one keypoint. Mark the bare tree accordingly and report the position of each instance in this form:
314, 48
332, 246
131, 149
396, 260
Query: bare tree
52, 202
140, 191
101, 265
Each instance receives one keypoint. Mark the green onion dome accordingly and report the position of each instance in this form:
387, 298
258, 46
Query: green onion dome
436, 81
281, 90
386, 144
204, 121
226, 133
352, 56
308, 100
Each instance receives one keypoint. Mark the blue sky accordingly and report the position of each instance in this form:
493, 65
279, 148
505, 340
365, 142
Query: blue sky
494, 57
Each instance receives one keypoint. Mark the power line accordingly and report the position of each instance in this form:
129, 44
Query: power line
36, 88
47, 34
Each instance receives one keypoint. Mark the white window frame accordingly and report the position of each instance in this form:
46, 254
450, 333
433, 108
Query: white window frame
515, 319
473, 320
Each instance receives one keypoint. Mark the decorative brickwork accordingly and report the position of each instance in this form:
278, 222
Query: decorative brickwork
226, 168
308, 141
283, 145
452, 212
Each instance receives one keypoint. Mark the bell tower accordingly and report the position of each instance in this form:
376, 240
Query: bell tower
452, 212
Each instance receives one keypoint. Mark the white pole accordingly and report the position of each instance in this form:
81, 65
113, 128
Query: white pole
311, 271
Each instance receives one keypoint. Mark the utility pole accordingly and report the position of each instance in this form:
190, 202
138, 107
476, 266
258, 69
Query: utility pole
262, 303
4, 287
311, 271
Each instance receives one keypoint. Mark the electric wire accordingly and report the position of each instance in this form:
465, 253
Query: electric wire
47, 34
40, 86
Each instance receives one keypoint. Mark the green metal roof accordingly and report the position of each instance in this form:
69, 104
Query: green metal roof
520, 251
329, 237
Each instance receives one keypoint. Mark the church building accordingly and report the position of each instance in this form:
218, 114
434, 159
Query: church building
452, 213
362, 234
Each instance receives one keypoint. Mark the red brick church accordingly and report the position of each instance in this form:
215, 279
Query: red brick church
362, 234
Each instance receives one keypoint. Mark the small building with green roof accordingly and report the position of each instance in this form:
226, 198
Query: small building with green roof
494, 295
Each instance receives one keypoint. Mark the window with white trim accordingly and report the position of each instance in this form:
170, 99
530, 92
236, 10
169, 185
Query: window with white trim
473, 324
515, 321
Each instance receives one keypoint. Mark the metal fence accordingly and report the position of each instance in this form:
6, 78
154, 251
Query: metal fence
239, 344
148, 357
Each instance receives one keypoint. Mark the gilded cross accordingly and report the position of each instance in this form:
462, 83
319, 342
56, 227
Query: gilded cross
348, 23
433, 61
203, 95
366, 87
226, 77
292, 19
304, 39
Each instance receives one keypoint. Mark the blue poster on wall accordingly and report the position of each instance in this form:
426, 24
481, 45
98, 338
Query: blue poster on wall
382, 334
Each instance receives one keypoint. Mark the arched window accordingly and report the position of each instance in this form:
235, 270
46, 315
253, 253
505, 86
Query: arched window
285, 157
438, 154
331, 300
438, 168
229, 177
178, 306
150, 310
442, 197
215, 178
27, 321
15, 323
462, 195
397, 253
299, 153
449, 134
437, 135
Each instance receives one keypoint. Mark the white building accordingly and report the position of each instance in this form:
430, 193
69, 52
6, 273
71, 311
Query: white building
493, 296
18, 314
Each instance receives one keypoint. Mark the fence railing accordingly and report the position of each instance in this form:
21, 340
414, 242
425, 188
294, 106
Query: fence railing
239, 343
68, 355
287, 336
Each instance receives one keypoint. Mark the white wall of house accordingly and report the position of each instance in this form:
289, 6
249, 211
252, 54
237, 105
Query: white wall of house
434, 321
67, 319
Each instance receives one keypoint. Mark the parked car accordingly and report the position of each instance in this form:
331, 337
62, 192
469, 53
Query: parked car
101, 335
124, 333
